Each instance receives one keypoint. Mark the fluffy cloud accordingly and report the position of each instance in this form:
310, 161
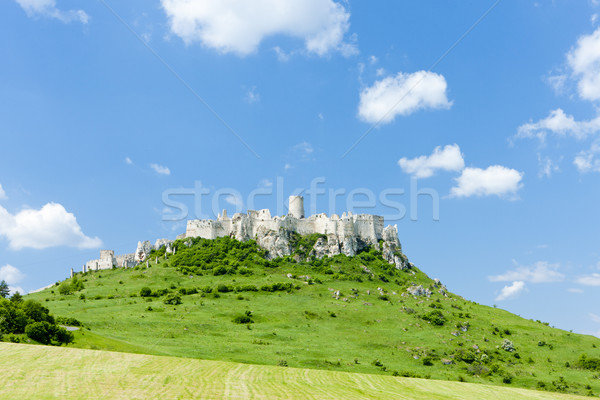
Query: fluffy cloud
47, 8
589, 280
448, 159
161, 170
511, 291
588, 160
11, 274
128, 161
494, 180
540, 272
402, 94
559, 124
47, 227
584, 61
237, 26
2, 193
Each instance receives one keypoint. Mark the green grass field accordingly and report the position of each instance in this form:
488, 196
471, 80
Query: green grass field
309, 328
44, 372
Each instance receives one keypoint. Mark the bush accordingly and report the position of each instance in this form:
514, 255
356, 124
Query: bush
435, 317
222, 288
245, 318
40, 332
220, 270
427, 361
64, 288
145, 292
172, 299
282, 363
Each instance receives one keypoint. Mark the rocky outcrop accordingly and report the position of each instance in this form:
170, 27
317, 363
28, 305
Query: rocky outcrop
419, 291
143, 250
391, 250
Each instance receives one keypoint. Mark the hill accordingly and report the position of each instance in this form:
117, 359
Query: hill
223, 300
75, 374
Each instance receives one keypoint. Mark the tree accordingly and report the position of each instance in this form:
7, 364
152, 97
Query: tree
64, 288
4, 290
40, 332
16, 297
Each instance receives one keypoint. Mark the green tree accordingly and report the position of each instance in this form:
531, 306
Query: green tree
64, 288
16, 298
40, 332
4, 290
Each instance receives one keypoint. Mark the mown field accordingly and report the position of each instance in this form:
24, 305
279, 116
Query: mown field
44, 372
354, 315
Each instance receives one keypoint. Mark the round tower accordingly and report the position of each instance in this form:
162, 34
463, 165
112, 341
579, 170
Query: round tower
296, 206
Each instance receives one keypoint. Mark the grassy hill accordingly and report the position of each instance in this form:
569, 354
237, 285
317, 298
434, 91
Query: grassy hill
344, 314
50, 372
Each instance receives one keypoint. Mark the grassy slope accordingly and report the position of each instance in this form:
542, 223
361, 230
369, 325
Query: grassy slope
44, 372
364, 329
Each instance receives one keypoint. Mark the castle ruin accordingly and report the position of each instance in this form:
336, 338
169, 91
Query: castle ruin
346, 234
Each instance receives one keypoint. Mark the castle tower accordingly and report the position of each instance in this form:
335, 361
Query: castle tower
296, 206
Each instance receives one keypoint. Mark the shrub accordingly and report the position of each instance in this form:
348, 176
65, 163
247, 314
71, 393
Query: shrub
222, 288
145, 292
245, 318
69, 321
64, 288
172, 299
282, 363
40, 331
427, 361
435, 317
61, 335
220, 270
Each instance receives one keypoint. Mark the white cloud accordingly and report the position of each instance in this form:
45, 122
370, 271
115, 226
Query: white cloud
402, 94
594, 19
161, 170
589, 280
511, 291
2, 193
494, 180
448, 158
128, 161
595, 317
588, 160
546, 167
287, 166
575, 290
47, 8
11, 274
238, 26
252, 95
14, 289
559, 124
540, 272
373, 59
584, 60
47, 227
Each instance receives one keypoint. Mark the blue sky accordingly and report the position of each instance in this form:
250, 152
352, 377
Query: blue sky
479, 120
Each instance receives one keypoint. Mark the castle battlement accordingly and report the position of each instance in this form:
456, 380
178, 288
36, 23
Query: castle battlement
346, 234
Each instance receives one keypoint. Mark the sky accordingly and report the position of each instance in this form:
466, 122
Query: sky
474, 126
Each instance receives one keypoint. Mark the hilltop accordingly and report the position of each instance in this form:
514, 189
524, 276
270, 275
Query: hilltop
227, 300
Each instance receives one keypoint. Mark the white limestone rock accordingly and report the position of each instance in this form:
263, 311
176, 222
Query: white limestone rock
143, 250
391, 249
320, 249
419, 291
